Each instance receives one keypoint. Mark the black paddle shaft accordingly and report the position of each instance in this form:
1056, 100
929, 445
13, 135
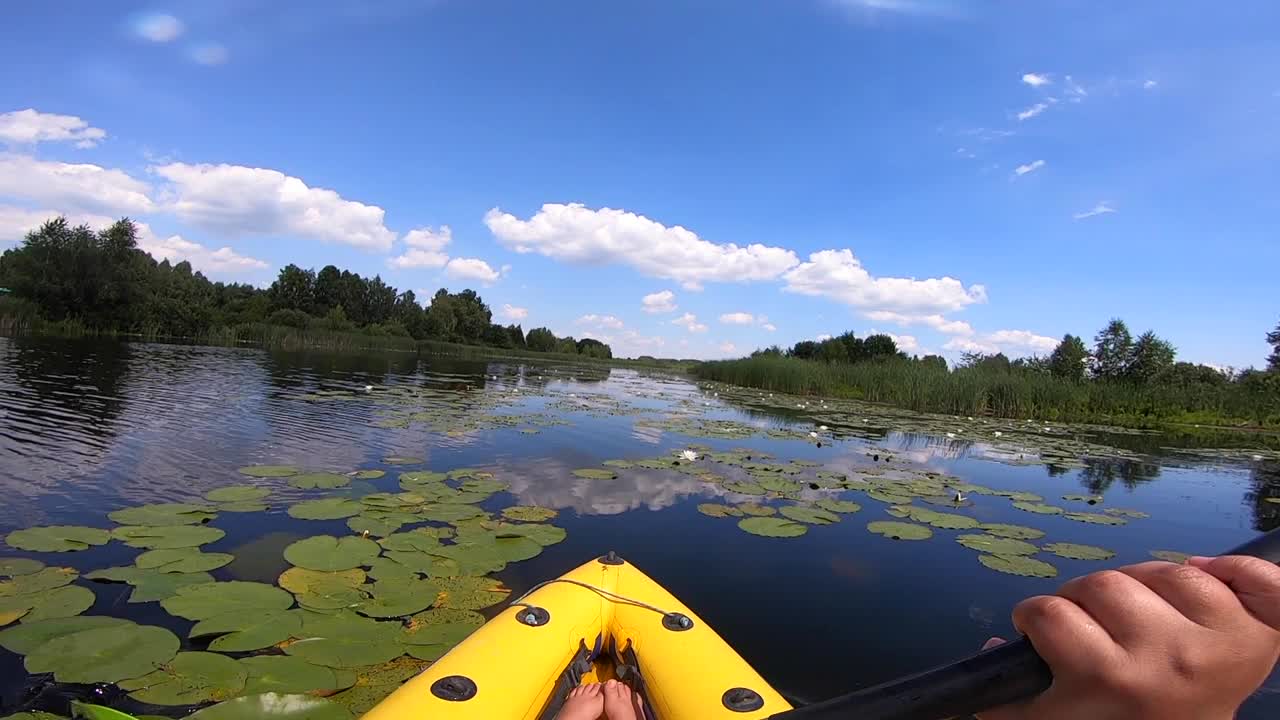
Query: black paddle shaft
1007, 673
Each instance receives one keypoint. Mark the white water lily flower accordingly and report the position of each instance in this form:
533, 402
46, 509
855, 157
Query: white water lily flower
951, 435
823, 428
813, 434
998, 433
1257, 458
368, 388
688, 455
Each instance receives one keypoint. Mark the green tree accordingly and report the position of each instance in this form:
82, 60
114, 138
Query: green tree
832, 351
880, 346
1070, 359
805, 350
516, 333
1149, 357
441, 322
855, 349
590, 347
327, 292
567, 346
1273, 339
294, 289
541, 340
936, 362
472, 314
1112, 351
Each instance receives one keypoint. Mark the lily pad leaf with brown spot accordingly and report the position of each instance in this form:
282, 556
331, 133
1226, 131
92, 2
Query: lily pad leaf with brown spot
470, 593
164, 514
719, 511
529, 513
189, 679
39, 581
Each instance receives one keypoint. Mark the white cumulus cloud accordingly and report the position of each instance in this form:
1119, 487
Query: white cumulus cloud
1014, 343
823, 337
30, 126
600, 321
245, 200
659, 302
513, 312
424, 248
1101, 208
689, 322
738, 318
578, 234
935, 321
1032, 111
838, 275
75, 186
728, 348
1028, 168
905, 343
471, 269
158, 27
1036, 79
1149, 85
769, 327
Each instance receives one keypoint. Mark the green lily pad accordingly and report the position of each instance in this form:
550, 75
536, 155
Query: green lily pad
1079, 552
1017, 532
717, 510
274, 706
237, 494
14, 566
484, 485
744, 488
1172, 556
810, 515
325, 509
402, 460
319, 481
149, 585
595, 474
544, 535
398, 598
346, 641
1091, 499
1023, 497
206, 600
529, 513
422, 478
10, 615
779, 484
838, 506
1126, 513
242, 507
619, 464
414, 540
104, 654
420, 562
431, 642
189, 679
269, 471
385, 568
162, 514
182, 560
57, 538
900, 530
470, 593
1039, 508
302, 581
166, 537
286, 674
374, 684
772, 527
39, 581
1095, 518
889, 497
997, 545
33, 716
444, 616
27, 637
373, 526
756, 509
327, 553
450, 512
243, 631
60, 602
369, 474
1019, 565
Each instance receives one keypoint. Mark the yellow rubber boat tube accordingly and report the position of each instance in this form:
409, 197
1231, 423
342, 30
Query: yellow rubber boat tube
510, 668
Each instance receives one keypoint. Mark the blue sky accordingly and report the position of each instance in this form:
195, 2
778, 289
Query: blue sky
694, 178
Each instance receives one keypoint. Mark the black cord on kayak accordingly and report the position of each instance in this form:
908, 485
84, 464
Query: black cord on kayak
1005, 674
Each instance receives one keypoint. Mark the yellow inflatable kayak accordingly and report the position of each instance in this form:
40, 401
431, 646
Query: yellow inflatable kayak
602, 620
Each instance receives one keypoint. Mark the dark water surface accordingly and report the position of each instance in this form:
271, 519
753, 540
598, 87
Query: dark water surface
90, 427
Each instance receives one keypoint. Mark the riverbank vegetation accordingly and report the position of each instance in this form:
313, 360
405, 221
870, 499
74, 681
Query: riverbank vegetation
75, 281
1121, 380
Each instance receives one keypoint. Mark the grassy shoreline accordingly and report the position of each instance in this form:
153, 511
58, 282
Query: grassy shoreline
982, 392
280, 337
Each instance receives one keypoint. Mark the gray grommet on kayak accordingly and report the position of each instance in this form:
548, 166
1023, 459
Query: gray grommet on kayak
742, 699
533, 616
454, 688
678, 622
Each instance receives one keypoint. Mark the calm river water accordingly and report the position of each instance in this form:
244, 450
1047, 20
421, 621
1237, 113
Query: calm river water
87, 427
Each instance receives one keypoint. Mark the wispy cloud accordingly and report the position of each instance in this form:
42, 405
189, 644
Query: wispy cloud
936, 8
1032, 111
1101, 208
1075, 92
1036, 79
1149, 85
1028, 168
158, 27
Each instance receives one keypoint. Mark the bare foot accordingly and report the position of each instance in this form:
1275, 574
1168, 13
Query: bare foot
619, 702
585, 702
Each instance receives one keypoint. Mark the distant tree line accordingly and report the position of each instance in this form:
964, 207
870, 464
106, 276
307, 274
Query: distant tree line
103, 282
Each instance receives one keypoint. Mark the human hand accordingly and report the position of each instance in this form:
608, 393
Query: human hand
1153, 641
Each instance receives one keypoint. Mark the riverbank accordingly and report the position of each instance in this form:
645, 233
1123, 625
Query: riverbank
1018, 394
279, 337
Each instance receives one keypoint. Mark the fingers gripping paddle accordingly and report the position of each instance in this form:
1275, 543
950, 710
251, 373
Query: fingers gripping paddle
1005, 674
